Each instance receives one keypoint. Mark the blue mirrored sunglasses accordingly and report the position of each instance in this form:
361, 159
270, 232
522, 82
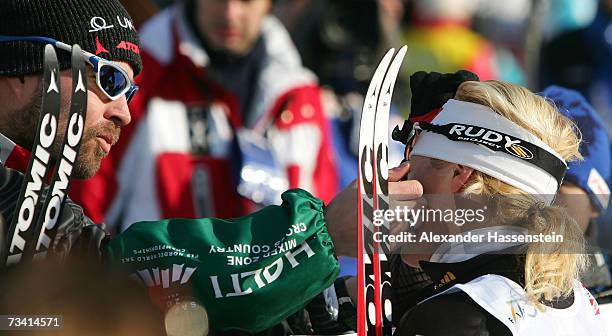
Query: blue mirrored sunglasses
110, 77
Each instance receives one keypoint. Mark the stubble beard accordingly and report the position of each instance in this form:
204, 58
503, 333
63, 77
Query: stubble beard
25, 128
90, 155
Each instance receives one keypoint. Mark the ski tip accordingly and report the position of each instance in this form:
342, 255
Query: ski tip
77, 54
387, 58
384, 62
50, 59
402, 52
50, 53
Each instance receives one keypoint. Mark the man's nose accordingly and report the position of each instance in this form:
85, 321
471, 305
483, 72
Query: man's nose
234, 9
118, 113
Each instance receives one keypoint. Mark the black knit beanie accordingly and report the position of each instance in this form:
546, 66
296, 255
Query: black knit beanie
102, 27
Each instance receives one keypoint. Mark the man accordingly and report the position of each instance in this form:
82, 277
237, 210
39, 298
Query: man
100, 27
226, 119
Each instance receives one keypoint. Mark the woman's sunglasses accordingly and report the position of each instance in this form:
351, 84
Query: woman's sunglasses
110, 77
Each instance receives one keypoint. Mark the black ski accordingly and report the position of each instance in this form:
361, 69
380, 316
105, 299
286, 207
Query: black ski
21, 229
45, 228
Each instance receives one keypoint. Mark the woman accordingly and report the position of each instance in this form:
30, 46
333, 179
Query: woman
500, 148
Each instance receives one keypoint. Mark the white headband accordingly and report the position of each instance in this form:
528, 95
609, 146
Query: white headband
504, 166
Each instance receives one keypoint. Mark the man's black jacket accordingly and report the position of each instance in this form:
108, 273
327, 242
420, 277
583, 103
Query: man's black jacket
76, 235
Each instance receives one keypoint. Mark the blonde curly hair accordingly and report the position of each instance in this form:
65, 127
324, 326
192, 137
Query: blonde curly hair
550, 268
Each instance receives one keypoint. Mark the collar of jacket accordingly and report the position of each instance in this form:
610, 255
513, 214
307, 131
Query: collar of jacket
509, 263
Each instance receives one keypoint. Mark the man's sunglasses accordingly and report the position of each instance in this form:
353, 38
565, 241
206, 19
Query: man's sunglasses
110, 77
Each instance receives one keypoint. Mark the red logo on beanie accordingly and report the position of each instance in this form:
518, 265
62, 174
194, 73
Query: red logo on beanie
100, 48
129, 46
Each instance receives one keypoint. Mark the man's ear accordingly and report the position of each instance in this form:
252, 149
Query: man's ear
461, 174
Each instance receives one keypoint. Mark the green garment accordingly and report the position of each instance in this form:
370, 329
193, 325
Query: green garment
249, 273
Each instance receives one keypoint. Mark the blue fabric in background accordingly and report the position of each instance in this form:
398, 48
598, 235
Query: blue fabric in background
595, 146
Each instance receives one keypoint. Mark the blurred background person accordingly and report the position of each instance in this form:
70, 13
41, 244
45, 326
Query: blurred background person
585, 192
226, 119
440, 38
90, 299
579, 59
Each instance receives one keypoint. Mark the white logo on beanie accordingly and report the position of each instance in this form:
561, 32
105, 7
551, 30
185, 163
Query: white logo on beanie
127, 23
98, 23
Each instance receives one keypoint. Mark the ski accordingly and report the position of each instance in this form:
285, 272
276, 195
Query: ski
21, 229
382, 270
366, 305
45, 227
